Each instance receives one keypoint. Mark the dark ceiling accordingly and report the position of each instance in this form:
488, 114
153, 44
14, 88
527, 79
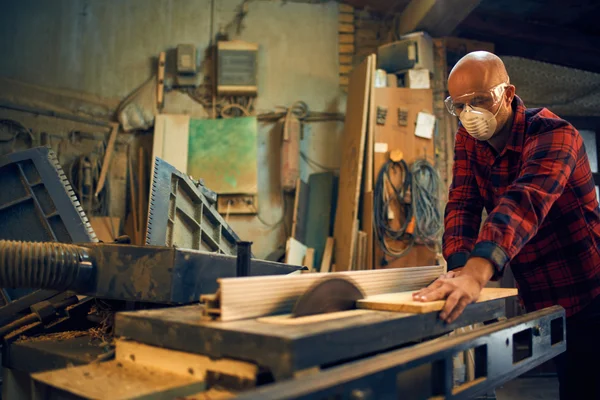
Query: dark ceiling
563, 32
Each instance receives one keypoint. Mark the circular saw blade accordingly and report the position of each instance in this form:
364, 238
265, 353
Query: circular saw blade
327, 295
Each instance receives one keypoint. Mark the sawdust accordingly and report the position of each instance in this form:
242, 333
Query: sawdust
58, 336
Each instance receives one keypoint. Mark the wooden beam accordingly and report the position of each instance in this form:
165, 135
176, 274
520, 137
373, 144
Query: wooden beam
534, 41
250, 297
436, 17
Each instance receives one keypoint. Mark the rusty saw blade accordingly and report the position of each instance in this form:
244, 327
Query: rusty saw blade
330, 294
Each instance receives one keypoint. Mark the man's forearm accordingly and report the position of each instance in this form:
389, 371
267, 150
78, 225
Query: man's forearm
479, 268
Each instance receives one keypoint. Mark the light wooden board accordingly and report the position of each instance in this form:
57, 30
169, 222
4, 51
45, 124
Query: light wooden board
257, 296
180, 362
327, 254
353, 149
170, 142
309, 259
294, 252
367, 227
115, 380
392, 136
403, 302
287, 319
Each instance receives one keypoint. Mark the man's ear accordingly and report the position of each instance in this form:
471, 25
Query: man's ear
510, 94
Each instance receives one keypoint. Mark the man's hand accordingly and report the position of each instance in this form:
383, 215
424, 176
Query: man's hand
451, 274
459, 290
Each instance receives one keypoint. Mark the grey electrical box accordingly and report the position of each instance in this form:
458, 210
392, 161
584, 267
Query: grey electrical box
412, 51
186, 59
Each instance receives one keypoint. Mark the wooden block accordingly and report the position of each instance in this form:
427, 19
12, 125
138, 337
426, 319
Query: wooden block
309, 259
346, 18
294, 252
345, 28
346, 48
403, 302
345, 69
352, 148
345, 38
345, 59
345, 8
327, 255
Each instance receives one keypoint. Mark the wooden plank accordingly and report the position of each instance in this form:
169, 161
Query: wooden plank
170, 141
106, 228
309, 259
436, 17
110, 146
371, 119
327, 255
362, 248
345, 8
345, 28
180, 362
294, 252
295, 211
160, 79
287, 319
249, 297
353, 145
345, 68
118, 380
391, 136
346, 18
346, 48
345, 38
403, 302
321, 187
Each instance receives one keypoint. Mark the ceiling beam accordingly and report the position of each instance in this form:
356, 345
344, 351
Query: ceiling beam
436, 17
533, 41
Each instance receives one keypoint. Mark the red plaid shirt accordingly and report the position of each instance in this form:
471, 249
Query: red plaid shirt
543, 215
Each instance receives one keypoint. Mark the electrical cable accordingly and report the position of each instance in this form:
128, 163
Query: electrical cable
381, 208
426, 184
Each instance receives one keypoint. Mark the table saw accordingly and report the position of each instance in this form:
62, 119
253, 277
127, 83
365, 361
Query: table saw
208, 321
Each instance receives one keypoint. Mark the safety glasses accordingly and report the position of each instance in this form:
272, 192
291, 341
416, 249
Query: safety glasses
486, 100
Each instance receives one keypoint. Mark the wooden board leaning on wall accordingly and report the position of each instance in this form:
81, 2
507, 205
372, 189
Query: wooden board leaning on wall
397, 132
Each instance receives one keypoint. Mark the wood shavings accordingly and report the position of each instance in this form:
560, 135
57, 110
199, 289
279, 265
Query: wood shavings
59, 336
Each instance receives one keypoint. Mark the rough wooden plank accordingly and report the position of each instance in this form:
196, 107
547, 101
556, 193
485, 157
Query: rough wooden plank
250, 297
371, 119
403, 302
345, 28
345, 8
346, 18
309, 259
353, 145
181, 363
170, 141
327, 255
346, 48
367, 227
345, 38
113, 380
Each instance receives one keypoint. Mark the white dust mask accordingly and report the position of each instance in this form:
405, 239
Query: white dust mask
479, 122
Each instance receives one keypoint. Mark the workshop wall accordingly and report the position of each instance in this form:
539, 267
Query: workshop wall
109, 49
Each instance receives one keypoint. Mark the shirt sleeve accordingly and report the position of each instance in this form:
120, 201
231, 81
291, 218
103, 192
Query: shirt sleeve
548, 161
462, 217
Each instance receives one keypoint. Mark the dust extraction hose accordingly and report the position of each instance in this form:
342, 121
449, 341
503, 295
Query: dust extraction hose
55, 266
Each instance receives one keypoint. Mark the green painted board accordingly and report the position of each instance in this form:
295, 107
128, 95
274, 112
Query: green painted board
223, 153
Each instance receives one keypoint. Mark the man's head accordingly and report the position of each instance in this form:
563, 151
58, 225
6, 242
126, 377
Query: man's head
481, 94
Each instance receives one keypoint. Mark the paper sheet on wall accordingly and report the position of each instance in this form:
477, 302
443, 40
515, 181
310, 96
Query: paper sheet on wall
425, 125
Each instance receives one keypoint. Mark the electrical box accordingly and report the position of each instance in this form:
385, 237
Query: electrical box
237, 68
412, 51
186, 65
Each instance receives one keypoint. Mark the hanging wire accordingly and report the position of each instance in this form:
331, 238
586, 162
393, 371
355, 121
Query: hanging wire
426, 185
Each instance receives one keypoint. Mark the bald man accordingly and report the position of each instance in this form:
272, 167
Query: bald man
529, 169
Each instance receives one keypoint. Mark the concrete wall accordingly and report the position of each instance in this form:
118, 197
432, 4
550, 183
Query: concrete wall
107, 48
